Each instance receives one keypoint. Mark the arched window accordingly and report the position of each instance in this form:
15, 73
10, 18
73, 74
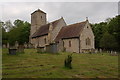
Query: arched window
45, 40
88, 42
69, 43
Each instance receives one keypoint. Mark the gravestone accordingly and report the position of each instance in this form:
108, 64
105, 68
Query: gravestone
25, 44
16, 44
4, 46
20, 49
100, 50
8, 46
96, 50
12, 51
51, 48
40, 49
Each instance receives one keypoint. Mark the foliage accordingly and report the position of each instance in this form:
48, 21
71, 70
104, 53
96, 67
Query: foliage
3, 33
67, 62
108, 41
4, 36
99, 30
112, 27
19, 33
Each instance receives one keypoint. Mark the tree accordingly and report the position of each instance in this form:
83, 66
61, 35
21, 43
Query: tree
19, 33
24, 33
114, 28
108, 42
4, 36
98, 30
3, 33
1, 26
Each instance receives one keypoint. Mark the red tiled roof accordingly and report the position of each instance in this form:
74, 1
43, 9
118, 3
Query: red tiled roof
70, 31
44, 29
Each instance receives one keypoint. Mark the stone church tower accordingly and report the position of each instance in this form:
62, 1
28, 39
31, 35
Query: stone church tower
38, 18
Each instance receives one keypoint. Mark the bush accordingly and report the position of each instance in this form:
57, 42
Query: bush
67, 62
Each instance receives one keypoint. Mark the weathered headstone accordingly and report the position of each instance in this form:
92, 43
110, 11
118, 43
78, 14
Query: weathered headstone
8, 46
4, 46
100, 50
20, 49
16, 44
12, 51
96, 50
25, 44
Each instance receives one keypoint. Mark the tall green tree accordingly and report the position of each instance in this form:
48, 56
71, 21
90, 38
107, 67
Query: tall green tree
19, 33
98, 30
3, 33
114, 28
108, 42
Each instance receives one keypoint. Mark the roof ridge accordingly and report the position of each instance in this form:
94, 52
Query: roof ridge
56, 20
71, 31
76, 23
37, 11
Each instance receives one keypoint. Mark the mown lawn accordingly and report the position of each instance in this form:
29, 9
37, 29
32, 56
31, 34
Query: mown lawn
35, 65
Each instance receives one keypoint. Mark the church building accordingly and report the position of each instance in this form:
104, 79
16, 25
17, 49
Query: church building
77, 38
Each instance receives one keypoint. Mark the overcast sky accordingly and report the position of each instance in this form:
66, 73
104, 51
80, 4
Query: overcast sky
72, 12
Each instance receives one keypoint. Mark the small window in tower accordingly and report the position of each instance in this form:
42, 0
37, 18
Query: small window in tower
87, 26
41, 17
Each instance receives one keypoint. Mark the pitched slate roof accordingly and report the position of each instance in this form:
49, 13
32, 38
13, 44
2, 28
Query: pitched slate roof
71, 31
44, 29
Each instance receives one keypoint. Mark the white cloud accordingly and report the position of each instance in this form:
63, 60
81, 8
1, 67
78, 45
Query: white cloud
72, 12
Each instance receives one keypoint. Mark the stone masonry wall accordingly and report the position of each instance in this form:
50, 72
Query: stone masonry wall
74, 45
86, 33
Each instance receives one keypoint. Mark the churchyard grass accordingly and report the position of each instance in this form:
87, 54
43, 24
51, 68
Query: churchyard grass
34, 65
